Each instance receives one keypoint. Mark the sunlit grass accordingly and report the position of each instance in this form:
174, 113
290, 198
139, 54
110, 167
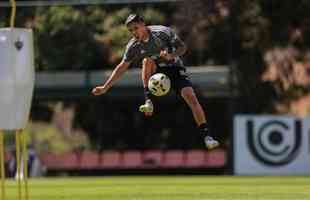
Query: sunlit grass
166, 188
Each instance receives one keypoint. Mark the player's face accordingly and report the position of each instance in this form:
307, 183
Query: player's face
138, 30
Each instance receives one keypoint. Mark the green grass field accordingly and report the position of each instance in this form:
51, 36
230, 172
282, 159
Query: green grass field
166, 188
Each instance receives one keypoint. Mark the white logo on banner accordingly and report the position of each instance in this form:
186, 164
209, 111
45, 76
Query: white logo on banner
271, 145
274, 142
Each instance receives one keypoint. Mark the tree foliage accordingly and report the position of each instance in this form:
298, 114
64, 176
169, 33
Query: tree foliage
205, 28
247, 32
64, 38
215, 31
71, 38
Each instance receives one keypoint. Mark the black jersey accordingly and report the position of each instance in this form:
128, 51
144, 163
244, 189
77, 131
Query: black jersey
161, 38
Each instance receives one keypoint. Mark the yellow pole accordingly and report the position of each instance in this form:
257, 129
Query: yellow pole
18, 159
2, 165
25, 158
13, 13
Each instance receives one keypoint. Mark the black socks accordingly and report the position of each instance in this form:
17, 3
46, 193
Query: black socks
203, 128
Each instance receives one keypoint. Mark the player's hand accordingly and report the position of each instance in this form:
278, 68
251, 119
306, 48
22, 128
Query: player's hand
99, 90
165, 55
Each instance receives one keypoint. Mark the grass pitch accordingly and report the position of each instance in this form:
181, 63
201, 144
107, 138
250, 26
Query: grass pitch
166, 188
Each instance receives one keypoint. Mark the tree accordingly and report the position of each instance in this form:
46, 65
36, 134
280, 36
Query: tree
65, 38
205, 27
69, 38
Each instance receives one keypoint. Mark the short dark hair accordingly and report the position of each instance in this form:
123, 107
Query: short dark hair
133, 18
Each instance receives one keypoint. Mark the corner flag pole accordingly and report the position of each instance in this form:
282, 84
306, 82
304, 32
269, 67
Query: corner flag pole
18, 162
20, 137
17, 132
13, 13
25, 159
14, 114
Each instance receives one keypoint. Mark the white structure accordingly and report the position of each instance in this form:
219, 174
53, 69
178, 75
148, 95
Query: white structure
16, 77
271, 145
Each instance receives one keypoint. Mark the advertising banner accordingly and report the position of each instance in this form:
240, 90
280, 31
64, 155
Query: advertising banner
271, 145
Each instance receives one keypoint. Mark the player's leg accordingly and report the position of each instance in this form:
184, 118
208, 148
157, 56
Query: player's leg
148, 68
183, 86
190, 98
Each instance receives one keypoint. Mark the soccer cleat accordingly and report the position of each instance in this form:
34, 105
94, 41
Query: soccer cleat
211, 143
147, 107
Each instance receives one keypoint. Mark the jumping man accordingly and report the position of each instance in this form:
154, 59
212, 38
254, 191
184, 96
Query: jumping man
160, 49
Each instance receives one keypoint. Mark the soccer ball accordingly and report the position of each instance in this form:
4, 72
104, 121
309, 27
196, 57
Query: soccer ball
159, 84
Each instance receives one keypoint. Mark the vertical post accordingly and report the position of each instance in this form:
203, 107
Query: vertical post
13, 13
2, 165
18, 162
233, 59
25, 159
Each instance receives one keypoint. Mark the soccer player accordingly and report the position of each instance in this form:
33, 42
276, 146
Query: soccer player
160, 50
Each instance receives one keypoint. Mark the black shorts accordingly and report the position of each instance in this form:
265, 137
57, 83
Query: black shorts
178, 77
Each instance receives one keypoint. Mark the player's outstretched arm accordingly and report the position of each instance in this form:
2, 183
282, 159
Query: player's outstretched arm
116, 74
